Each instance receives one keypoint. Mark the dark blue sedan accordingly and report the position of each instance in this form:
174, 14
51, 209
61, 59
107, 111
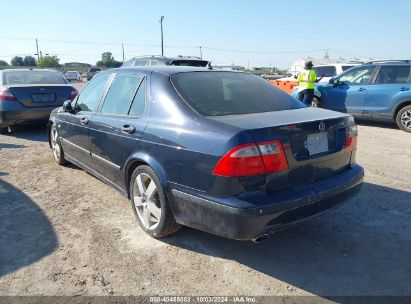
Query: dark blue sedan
223, 152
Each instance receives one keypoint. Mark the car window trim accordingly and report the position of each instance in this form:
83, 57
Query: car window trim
134, 96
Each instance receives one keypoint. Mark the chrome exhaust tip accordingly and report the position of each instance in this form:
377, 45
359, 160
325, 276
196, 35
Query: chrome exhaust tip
261, 238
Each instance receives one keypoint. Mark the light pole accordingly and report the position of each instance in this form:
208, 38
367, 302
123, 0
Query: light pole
162, 41
37, 47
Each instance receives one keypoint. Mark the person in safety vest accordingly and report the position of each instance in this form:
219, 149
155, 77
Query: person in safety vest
306, 81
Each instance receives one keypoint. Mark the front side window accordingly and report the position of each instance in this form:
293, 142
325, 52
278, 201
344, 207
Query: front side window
121, 94
325, 71
393, 74
360, 75
231, 93
89, 98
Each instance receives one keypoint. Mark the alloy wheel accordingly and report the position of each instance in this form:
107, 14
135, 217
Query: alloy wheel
147, 201
406, 119
55, 144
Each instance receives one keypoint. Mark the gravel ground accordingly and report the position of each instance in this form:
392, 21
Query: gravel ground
64, 232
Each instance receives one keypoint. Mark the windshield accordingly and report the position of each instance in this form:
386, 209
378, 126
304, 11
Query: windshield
195, 63
230, 93
33, 77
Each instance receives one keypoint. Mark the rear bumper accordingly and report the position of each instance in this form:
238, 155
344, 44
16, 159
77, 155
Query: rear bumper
13, 113
249, 216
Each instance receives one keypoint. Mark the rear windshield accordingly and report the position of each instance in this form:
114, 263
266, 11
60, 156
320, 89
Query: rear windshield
195, 63
230, 93
33, 77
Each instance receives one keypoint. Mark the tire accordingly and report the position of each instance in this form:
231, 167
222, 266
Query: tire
150, 204
403, 119
58, 153
316, 102
4, 130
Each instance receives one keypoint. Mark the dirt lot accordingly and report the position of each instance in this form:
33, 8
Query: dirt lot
64, 232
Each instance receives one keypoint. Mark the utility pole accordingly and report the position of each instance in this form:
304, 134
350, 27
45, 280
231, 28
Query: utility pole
162, 41
37, 47
201, 53
122, 46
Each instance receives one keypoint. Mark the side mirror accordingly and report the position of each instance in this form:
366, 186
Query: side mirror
67, 106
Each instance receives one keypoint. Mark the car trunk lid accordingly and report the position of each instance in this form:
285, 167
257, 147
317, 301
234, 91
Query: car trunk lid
41, 95
313, 140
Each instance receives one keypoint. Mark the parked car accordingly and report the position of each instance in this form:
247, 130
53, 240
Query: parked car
162, 60
327, 71
91, 73
72, 75
28, 96
379, 91
233, 156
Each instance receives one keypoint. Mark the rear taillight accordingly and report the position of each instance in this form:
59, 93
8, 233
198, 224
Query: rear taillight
252, 159
73, 94
351, 134
5, 94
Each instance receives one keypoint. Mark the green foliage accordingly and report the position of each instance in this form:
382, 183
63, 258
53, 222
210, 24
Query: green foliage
17, 61
49, 62
108, 61
29, 61
3, 63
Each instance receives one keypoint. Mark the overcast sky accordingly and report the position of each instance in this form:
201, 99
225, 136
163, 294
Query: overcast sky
255, 33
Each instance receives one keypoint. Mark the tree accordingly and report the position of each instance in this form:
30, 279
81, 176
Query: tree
17, 61
49, 62
3, 63
108, 61
29, 61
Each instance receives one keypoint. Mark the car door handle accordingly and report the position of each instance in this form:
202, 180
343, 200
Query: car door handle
128, 129
404, 89
361, 89
84, 121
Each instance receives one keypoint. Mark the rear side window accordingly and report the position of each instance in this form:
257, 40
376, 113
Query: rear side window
139, 101
33, 77
121, 93
229, 93
393, 74
325, 71
90, 96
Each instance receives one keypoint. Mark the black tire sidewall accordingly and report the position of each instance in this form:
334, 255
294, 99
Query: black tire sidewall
398, 119
161, 228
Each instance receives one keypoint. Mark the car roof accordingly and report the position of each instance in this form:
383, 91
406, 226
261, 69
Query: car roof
169, 58
163, 69
337, 64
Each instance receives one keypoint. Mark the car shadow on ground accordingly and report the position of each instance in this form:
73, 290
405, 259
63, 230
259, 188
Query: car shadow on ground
10, 146
361, 248
26, 234
30, 132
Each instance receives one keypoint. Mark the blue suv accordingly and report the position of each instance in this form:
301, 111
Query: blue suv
378, 90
